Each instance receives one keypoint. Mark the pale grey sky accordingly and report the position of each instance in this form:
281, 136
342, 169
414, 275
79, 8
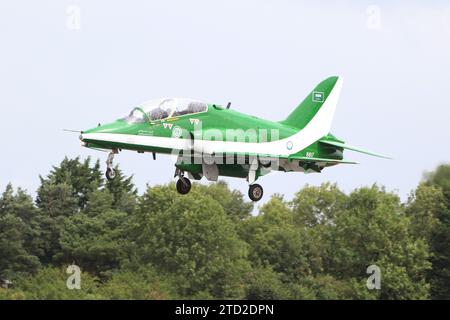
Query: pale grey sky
263, 56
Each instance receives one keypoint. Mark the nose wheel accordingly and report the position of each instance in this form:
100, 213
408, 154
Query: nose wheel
110, 172
255, 192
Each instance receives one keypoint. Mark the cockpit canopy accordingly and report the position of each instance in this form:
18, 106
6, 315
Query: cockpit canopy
163, 108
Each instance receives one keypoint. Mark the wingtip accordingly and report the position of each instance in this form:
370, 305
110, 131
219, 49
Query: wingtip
384, 156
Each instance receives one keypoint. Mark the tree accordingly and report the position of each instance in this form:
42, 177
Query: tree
265, 284
318, 205
424, 206
207, 245
440, 238
14, 259
324, 287
17, 230
191, 238
277, 243
374, 230
21, 205
95, 238
441, 178
55, 202
50, 284
232, 201
156, 199
123, 191
144, 283
80, 176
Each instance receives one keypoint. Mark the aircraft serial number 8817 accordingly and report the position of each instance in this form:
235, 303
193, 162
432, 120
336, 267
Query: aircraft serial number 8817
211, 141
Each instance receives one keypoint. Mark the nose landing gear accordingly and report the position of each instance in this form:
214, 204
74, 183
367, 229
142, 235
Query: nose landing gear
110, 172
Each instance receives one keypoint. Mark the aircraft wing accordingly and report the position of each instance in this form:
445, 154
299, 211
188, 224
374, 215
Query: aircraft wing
348, 147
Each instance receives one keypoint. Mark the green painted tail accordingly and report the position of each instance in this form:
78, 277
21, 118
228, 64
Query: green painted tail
306, 111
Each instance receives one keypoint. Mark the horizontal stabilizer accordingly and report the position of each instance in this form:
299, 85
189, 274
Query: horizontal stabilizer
321, 160
348, 147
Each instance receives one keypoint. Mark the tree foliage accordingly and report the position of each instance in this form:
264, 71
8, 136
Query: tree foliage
212, 244
439, 242
194, 240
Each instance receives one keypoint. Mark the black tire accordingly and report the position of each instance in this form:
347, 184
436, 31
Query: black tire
110, 174
255, 192
183, 185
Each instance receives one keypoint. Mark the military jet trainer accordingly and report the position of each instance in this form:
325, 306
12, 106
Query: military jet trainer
210, 140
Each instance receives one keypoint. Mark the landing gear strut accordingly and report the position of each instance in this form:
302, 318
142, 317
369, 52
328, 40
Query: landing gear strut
183, 183
110, 172
255, 192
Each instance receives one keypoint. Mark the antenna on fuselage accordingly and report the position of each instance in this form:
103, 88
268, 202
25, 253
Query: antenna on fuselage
228, 105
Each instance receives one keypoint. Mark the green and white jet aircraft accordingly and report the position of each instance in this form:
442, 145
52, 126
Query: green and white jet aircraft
211, 140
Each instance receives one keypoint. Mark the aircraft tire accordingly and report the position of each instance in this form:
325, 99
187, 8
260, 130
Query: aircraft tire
110, 174
183, 185
255, 192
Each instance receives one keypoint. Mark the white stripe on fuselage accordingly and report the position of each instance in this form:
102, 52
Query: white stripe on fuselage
318, 127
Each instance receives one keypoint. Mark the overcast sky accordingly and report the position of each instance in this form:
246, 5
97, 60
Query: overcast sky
73, 64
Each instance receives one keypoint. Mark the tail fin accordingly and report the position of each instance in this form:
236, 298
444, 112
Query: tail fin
324, 95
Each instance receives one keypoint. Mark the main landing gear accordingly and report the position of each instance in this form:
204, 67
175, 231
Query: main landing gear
110, 172
183, 184
255, 192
